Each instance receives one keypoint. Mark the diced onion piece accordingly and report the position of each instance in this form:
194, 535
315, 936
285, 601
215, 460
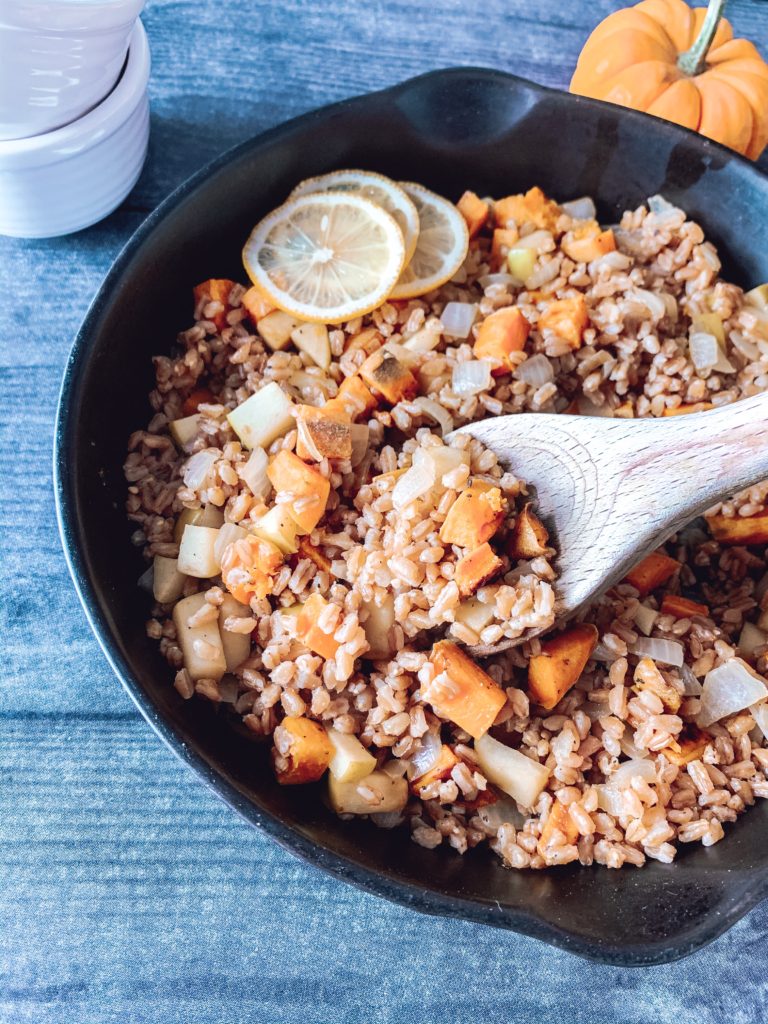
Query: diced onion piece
654, 303
427, 756
612, 261
634, 769
199, 466
706, 353
412, 485
750, 639
361, 434
580, 209
519, 776
538, 241
502, 812
536, 370
610, 800
692, 685
457, 319
488, 279
427, 338
645, 619
409, 357
729, 688
254, 473
471, 377
603, 653
668, 652
661, 207
760, 715
542, 275
434, 410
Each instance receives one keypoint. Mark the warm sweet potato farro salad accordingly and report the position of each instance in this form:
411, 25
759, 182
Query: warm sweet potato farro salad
324, 554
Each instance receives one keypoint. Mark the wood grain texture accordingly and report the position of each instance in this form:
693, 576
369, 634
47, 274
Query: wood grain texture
127, 892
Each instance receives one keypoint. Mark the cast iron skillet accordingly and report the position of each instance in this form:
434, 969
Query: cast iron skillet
451, 130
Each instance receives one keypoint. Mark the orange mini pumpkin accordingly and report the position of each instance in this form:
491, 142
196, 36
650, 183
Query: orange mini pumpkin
682, 64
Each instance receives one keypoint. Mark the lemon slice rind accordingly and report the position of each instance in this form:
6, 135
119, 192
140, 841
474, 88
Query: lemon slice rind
441, 248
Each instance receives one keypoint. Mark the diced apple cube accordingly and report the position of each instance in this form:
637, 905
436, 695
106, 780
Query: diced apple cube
350, 761
263, 417
206, 515
376, 793
237, 646
201, 645
312, 340
196, 552
275, 328
474, 614
519, 776
378, 627
167, 581
280, 528
184, 430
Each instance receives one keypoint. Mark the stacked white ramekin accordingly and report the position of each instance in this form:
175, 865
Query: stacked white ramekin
74, 112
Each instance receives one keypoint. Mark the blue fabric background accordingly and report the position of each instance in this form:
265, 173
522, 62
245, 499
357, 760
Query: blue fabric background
128, 893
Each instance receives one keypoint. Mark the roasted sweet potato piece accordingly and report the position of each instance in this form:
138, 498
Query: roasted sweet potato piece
256, 305
216, 289
500, 334
385, 374
308, 487
531, 208
739, 529
654, 570
587, 241
567, 318
529, 537
323, 433
689, 745
308, 751
446, 762
503, 240
682, 607
355, 397
552, 673
314, 554
248, 566
558, 819
461, 691
474, 211
309, 633
367, 340
475, 516
476, 568
196, 398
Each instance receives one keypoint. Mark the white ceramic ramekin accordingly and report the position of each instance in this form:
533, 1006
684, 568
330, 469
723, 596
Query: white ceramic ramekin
59, 59
63, 181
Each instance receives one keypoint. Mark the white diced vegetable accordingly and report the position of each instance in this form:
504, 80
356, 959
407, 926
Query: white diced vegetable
184, 430
427, 338
520, 263
206, 515
474, 614
582, 208
196, 552
519, 776
280, 528
729, 688
236, 646
263, 417
228, 534
200, 645
471, 377
458, 318
168, 582
668, 652
412, 485
254, 473
199, 468
276, 327
375, 793
645, 618
633, 769
441, 459
378, 626
750, 639
312, 340
351, 761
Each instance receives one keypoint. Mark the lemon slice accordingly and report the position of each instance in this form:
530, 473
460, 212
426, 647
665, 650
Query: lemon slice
327, 257
442, 244
376, 187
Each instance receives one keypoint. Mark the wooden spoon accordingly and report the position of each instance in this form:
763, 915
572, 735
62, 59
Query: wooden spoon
612, 490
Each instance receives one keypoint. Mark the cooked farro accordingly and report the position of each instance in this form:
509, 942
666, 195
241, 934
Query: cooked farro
630, 774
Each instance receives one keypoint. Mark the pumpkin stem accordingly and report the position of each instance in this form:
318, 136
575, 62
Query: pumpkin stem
694, 61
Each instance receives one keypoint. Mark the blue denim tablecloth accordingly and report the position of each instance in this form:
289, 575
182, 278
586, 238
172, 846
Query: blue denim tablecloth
128, 893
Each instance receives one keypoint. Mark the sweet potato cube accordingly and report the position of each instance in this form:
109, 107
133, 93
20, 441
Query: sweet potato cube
689, 745
461, 691
446, 762
531, 208
248, 566
256, 305
216, 289
552, 673
682, 607
314, 554
308, 752
323, 433
500, 334
559, 819
475, 516
385, 374
355, 397
739, 529
474, 211
309, 633
308, 488
567, 318
684, 410
503, 240
529, 536
367, 340
654, 570
587, 242
476, 568
196, 398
